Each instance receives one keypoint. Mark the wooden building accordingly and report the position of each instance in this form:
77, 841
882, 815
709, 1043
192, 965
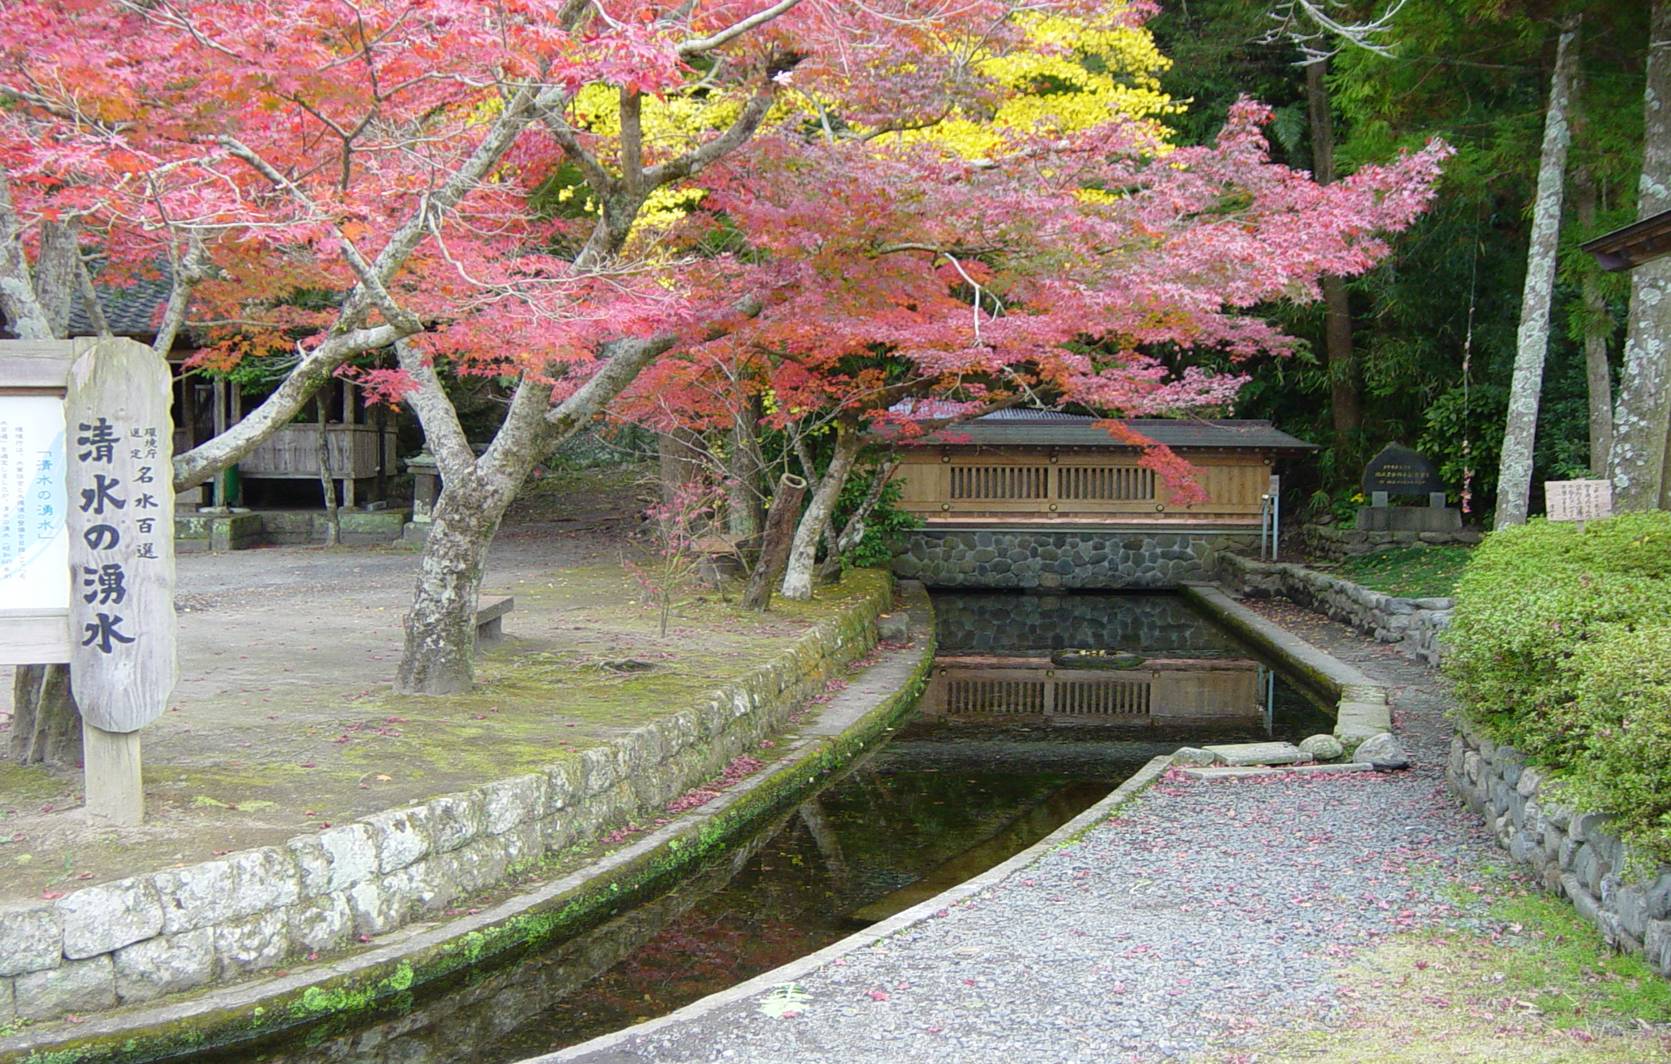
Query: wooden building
360, 442
1045, 467
1043, 498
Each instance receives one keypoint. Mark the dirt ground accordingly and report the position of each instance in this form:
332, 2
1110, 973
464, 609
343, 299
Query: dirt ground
284, 720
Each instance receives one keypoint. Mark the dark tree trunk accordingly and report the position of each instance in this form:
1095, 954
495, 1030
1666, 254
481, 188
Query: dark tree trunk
332, 526
744, 510
1597, 325
46, 723
1345, 400
775, 542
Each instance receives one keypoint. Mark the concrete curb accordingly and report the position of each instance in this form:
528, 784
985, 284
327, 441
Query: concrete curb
1121, 796
258, 1009
1361, 703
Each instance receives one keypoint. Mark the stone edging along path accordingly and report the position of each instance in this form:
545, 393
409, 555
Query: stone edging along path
1361, 709
472, 839
1412, 623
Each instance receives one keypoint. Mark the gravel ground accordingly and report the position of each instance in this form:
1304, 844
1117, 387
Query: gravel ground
1203, 914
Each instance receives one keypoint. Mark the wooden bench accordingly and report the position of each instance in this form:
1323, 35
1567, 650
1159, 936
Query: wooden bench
490, 618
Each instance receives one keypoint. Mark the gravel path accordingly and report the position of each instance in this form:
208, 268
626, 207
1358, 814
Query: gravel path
1201, 914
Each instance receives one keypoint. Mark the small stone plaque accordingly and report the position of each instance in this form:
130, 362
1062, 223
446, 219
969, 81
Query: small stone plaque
1398, 470
1578, 500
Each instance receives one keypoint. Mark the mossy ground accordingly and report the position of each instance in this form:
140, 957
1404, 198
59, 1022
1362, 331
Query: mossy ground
284, 720
1526, 980
1409, 572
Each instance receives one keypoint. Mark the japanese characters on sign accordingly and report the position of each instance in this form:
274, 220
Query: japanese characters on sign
121, 556
1578, 500
34, 543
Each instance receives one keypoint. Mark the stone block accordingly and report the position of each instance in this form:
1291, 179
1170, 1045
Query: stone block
373, 909
402, 837
1631, 905
109, 916
31, 939
334, 859
1656, 945
1322, 747
1273, 753
165, 965
518, 800
1530, 779
1383, 751
252, 944
1571, 847
423, 887
597, 769
74, 986
455, 820
319, 924
231, 888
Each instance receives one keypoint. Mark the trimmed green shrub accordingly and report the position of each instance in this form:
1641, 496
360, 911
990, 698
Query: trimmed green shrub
1561, 646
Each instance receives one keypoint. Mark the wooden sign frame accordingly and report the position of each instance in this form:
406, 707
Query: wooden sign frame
117, 627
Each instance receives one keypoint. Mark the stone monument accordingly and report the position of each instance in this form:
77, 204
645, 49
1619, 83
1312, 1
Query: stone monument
1400, 471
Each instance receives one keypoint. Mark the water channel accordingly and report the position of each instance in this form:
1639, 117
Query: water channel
1037, 707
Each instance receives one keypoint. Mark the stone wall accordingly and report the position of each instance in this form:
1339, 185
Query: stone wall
1413, 624
1574, 853
1046, 558
974, 622
1333, 543
153, 934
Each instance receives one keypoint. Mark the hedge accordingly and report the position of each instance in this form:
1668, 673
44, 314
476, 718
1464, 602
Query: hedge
1561, 646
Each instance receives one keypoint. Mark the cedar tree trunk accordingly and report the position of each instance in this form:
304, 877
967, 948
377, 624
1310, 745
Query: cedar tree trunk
1514, 474
1643, 418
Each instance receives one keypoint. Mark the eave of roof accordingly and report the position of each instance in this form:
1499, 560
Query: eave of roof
1634, 244
1053, 428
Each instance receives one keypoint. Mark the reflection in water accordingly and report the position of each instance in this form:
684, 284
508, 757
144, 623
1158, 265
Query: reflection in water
1007, 744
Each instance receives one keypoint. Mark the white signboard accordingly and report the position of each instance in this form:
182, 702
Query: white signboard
34, 541
1578, 500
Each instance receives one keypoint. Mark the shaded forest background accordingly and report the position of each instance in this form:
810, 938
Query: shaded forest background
1432, 341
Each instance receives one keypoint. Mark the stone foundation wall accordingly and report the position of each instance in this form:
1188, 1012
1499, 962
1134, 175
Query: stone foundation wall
196, 532
1413, 624
140, 938
1575, 854
1332, 543
1051, 559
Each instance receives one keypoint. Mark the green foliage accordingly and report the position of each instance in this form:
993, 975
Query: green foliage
1409, 572
1561, 646
885, 527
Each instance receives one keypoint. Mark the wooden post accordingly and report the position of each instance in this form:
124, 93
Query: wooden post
113, 781
775, 541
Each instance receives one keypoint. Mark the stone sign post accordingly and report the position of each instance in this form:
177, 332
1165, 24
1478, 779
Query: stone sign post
1578, 500
87, 567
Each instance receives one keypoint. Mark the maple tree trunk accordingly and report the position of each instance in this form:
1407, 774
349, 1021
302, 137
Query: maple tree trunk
775, 542
332, 526
46, 723
440, 652
1598, 375
680, 458
1643, 417
803, 553
1345, 402
1514, 474
743, 511
854, 530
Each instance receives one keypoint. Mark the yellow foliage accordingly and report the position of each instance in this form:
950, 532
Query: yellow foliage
1077, 75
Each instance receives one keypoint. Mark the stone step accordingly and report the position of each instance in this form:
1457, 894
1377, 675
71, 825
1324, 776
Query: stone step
1255, 772
1240, 754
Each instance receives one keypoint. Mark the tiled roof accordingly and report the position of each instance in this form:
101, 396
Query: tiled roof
1055, 428
133, 309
